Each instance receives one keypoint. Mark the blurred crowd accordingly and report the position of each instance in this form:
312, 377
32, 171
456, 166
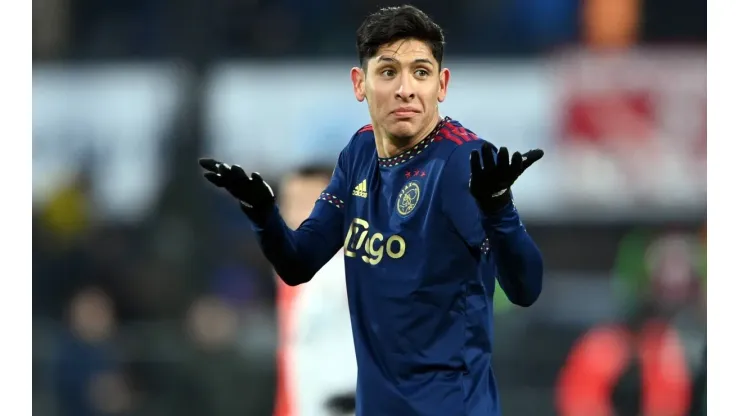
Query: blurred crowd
86, 29
132, 316
129, 318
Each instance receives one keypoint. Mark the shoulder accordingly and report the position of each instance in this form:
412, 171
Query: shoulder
457, 141
367, 128
362, 141
364, 137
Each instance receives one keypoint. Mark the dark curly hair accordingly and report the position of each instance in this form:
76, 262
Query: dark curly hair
391, 24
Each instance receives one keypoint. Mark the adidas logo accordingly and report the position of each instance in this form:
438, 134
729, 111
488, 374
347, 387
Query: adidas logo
361, 189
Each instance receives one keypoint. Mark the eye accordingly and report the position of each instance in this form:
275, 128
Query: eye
422, 73
387, 73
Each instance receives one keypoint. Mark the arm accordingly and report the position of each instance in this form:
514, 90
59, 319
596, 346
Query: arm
518, 259
298, 254
500, 232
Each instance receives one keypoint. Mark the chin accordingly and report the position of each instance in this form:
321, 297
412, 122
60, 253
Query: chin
404, 129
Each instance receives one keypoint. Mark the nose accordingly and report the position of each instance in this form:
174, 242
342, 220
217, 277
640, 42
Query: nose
405, 89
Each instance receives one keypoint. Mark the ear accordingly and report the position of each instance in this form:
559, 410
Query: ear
444, 81
358, 83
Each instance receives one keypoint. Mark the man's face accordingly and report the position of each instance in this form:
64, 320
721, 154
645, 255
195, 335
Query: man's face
298, 196
403, 85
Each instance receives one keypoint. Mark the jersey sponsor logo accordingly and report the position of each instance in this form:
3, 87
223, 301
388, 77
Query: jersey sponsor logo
408, 198
371, 250
361, 189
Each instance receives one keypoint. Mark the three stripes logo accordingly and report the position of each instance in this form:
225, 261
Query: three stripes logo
361, 189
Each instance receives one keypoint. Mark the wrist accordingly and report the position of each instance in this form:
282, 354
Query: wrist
497, 202
259, 215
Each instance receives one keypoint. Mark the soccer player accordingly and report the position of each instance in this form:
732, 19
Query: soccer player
423, 210
317, 371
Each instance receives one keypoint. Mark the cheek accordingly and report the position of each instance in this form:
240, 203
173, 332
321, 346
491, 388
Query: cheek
430, 98
433, 91
376, 99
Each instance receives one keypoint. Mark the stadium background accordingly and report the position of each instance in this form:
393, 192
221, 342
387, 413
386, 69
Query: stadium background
128, 94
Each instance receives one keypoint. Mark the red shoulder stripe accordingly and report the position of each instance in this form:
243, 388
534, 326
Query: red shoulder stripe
449, 136
465, 134
457, 134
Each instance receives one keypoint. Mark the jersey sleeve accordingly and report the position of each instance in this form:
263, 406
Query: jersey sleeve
336, 192
457, 202
500, 235
298, 254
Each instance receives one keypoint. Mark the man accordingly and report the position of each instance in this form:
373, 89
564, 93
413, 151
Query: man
316, 356
424, 211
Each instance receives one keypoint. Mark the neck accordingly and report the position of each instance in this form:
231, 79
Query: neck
390, 146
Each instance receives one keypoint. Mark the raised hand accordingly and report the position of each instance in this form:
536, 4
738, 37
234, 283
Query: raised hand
253, 192
491, 175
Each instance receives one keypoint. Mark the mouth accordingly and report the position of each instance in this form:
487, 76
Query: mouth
405, 112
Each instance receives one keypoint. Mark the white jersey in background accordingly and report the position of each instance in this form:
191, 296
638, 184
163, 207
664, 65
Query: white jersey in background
316, 352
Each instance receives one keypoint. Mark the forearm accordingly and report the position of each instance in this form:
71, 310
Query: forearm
298, 254
518, 259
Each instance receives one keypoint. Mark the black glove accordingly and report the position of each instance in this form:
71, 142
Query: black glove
490, 183
256, 196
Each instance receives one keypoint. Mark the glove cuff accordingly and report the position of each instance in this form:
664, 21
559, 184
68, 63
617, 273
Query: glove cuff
496, 203
258, 215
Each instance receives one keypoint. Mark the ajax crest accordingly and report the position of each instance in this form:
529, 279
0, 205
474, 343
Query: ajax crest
408, 198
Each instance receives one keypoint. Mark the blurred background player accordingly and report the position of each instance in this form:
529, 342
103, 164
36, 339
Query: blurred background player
643, 363
317, 370
88, 373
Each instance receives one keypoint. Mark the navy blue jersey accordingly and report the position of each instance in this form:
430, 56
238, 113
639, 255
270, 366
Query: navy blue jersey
421, 261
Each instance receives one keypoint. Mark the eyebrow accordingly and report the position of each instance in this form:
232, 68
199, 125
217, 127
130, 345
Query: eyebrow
383, 58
